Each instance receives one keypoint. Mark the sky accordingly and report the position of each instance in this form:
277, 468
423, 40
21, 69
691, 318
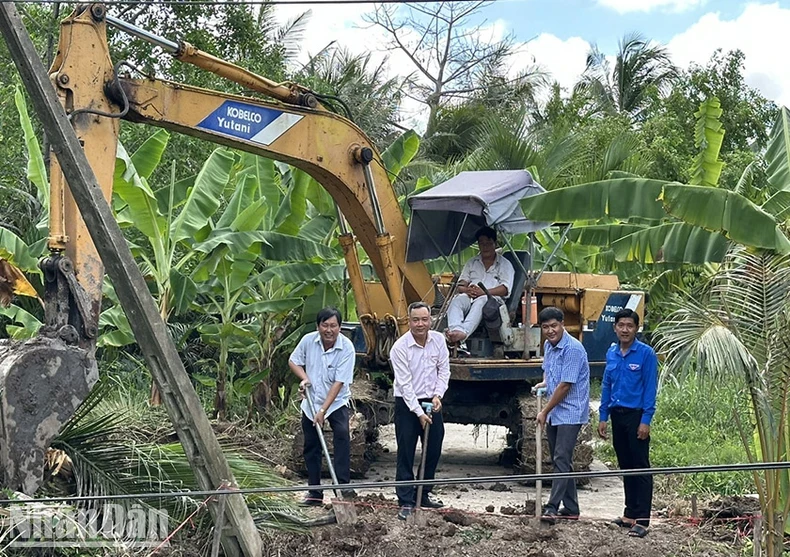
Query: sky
557, 34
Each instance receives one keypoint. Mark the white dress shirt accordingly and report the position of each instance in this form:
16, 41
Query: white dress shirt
324, 368
420, 371
501, 273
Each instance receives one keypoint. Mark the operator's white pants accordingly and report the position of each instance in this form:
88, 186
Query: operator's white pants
465, 314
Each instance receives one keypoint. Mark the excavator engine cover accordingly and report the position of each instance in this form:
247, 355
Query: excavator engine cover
42, 382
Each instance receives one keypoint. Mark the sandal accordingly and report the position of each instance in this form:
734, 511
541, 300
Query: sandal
637, 531
622, 523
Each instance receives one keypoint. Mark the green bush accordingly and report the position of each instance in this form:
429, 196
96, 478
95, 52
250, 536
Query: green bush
695, 425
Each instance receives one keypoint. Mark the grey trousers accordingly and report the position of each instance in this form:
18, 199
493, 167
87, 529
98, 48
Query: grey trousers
562, 440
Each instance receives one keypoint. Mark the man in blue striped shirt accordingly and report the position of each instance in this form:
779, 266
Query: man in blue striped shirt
566, 376
628, 395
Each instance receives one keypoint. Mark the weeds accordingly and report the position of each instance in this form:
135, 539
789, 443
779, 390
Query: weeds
694, 425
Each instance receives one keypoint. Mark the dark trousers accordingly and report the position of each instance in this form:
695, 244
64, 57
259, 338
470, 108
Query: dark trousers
407, 431
338, 420
562, 441
633, 453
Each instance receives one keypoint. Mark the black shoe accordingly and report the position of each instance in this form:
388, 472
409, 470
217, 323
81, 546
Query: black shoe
405, 512
312, 500
348, 494
431, 502
549, 516
568, 515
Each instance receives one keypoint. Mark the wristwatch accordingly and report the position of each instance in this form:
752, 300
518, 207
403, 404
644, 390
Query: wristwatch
322, 410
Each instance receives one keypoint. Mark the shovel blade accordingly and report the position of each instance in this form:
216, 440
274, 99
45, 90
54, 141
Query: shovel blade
417, 518
345, 511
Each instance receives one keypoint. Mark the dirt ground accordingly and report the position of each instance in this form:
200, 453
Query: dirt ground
497, 520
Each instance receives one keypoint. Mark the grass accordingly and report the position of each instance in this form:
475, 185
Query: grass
695, 425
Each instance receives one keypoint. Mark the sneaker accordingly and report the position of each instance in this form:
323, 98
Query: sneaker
431, 502
348, 494
549, 516
312, 500
405, 512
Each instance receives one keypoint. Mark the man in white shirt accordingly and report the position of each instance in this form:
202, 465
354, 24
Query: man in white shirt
421, 363
325, 360
494, 271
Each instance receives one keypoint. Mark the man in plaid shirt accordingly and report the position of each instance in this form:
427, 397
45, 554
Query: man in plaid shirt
566, 376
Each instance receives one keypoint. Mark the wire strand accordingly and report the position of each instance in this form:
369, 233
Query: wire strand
513, 478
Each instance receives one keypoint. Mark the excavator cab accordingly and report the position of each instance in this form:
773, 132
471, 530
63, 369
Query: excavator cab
444, 222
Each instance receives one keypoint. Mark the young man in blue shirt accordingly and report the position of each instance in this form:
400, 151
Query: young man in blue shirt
566, 376
628, 395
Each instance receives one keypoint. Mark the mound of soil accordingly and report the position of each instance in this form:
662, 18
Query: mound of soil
452, 533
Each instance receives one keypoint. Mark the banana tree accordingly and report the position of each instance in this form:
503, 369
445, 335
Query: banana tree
226, 274
656, 220
19, 255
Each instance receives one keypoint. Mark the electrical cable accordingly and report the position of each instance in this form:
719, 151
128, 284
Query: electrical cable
327, 98
662, 471
117, 85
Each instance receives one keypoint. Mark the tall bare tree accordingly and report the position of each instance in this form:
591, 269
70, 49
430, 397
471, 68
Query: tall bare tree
451, 49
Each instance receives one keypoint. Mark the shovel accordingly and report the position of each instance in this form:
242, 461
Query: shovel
345, 511
539, 455
417, 518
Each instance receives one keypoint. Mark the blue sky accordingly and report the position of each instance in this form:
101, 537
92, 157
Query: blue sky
597, 22
557, 34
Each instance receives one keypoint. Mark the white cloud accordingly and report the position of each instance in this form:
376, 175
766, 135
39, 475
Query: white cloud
756, 32
626, 6
564, 60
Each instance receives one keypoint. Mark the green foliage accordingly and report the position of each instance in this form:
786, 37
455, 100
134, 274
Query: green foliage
735, 329
708, 137
694, 426
778, 152
640, 68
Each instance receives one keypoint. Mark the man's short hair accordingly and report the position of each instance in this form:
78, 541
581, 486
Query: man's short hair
486, 231
549, 313
418, 305
626, 313
328, 313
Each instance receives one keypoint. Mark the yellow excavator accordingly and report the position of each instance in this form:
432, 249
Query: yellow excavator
45, 380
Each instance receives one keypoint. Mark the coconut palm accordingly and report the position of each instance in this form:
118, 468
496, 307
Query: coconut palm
737, 328
640, 67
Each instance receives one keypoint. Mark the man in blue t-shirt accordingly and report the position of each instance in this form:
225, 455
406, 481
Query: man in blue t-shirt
628, 395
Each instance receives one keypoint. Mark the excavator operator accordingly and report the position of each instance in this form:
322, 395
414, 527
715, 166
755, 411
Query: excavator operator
494, 271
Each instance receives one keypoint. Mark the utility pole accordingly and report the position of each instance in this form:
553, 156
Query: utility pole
183, 405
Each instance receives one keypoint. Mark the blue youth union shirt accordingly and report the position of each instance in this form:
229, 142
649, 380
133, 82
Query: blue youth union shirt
630, 380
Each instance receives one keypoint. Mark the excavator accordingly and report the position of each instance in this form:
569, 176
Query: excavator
45, 380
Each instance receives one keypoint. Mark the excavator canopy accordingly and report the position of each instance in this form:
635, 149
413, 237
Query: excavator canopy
445, 218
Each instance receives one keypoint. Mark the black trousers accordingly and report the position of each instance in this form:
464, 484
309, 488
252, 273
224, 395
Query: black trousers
407, 431
633, 453
313, 456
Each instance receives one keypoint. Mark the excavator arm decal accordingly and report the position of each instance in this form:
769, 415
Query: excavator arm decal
256, 124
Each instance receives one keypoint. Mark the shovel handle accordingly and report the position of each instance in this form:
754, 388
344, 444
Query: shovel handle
428, 407
539, 454
320, 432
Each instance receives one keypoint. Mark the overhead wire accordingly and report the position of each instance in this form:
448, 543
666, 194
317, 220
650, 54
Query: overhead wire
512, 478
236, 3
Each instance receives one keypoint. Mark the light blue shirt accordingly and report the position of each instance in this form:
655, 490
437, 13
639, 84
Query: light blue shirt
567, 363
324, 368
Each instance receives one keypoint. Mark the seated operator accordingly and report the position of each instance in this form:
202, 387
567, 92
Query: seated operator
490, 268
